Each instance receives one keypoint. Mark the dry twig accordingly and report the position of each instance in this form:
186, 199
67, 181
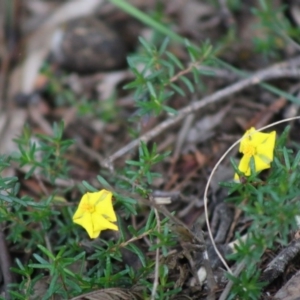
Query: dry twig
286, 69
279, 263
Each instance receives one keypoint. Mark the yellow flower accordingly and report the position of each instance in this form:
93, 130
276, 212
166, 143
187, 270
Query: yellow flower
95, 213
258, 145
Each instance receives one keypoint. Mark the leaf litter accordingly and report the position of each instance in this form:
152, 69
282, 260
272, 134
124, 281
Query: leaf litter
96, 111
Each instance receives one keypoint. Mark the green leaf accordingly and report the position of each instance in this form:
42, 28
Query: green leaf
286, 158
46, 251
296, 161
145, 150
193, 51
12, 199
52, 287
16, 295
195, 75
132, 247
6, 198
154, 75
89, 187
104, 183
151, 89
58, 130
127, 202
41, 266
206, 72
177, 89
170, 68
30, 172
175, 60
146, 45
61, 252
163, 47
146, 19
132, 230
151, 222
282, 140
170, 110
149, 177
280, 93
133, 163
188, 83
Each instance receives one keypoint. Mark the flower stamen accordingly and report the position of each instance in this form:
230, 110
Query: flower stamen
249, 149
86, 207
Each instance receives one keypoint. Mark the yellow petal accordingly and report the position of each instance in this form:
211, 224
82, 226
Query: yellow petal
97, 198
79, 212
246, 137
100, 223
84, 200
86, 222
261, 163
95, 234
104, 206
236, 177
244, 165
257, 138
266, 148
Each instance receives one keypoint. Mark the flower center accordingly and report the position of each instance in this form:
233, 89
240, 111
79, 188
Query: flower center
88, 208
249, 149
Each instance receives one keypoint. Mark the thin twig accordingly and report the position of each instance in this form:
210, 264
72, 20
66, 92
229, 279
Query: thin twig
279, 71
135, 238
186, 71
